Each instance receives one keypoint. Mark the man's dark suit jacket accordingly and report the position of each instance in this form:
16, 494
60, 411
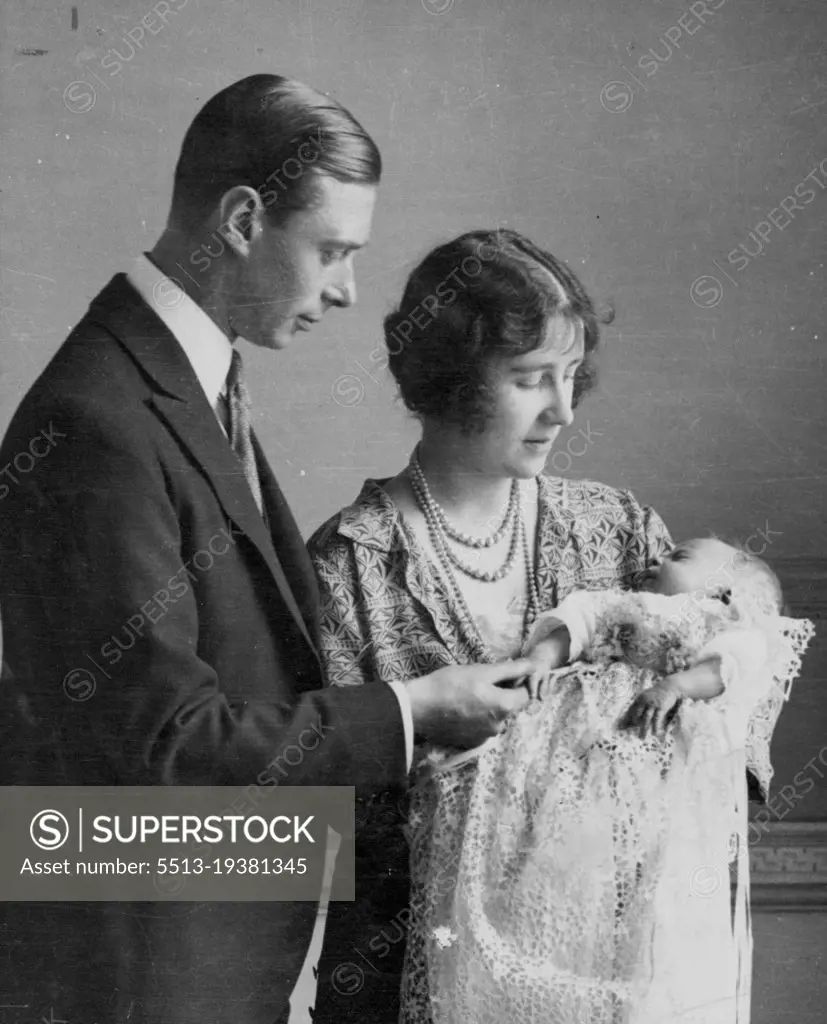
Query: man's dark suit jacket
134, 483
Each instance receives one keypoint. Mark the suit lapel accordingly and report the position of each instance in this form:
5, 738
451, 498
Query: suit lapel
181, 403
198, 431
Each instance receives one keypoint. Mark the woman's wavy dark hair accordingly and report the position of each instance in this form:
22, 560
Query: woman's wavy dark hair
482, 297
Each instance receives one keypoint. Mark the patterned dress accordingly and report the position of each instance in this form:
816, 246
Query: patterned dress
386, 615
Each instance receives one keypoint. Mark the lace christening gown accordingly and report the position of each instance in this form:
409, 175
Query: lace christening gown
571, 873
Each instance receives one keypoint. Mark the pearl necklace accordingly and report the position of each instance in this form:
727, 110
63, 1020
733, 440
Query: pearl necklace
435, 517
448, 528
444, 553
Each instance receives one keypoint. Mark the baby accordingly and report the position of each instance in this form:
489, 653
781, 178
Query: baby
696, 620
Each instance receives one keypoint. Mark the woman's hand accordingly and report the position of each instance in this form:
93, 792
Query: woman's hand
541, 668
653, 710
546, 656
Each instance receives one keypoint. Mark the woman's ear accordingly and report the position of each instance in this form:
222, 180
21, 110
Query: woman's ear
726, 595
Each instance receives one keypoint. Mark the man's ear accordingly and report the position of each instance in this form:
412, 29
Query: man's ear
244, 219
241, 211
726, 595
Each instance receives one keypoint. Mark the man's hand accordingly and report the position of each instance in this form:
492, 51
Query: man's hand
654, 709
462, 705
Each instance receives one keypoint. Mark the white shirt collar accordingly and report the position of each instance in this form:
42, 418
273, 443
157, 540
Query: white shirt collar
206, 346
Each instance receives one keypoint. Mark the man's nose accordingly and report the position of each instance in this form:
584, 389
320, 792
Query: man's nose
342, 291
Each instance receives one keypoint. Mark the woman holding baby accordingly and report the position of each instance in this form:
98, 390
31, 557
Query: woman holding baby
530, 901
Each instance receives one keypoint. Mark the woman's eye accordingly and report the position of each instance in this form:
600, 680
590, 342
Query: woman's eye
539, 379
677, 556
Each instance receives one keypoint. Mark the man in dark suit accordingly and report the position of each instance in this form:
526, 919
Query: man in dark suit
157, 602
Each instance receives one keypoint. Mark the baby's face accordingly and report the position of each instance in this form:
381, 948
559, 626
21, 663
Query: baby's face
691, 566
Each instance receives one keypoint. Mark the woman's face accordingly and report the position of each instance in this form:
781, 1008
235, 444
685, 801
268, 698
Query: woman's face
532, 396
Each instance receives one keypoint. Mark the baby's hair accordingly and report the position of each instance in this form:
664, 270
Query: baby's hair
757, 576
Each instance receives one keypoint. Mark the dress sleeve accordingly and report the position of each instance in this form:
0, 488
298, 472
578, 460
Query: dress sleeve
344, 647
658, 538
643, 538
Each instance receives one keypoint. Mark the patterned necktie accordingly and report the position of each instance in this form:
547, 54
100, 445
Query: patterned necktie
241, 435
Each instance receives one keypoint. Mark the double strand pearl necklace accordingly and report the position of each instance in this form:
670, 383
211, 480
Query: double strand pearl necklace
435, 517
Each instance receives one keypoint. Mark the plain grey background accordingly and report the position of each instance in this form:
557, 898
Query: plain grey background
650, 144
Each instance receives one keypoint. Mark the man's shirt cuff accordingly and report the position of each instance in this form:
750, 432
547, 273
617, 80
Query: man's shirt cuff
407, 720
